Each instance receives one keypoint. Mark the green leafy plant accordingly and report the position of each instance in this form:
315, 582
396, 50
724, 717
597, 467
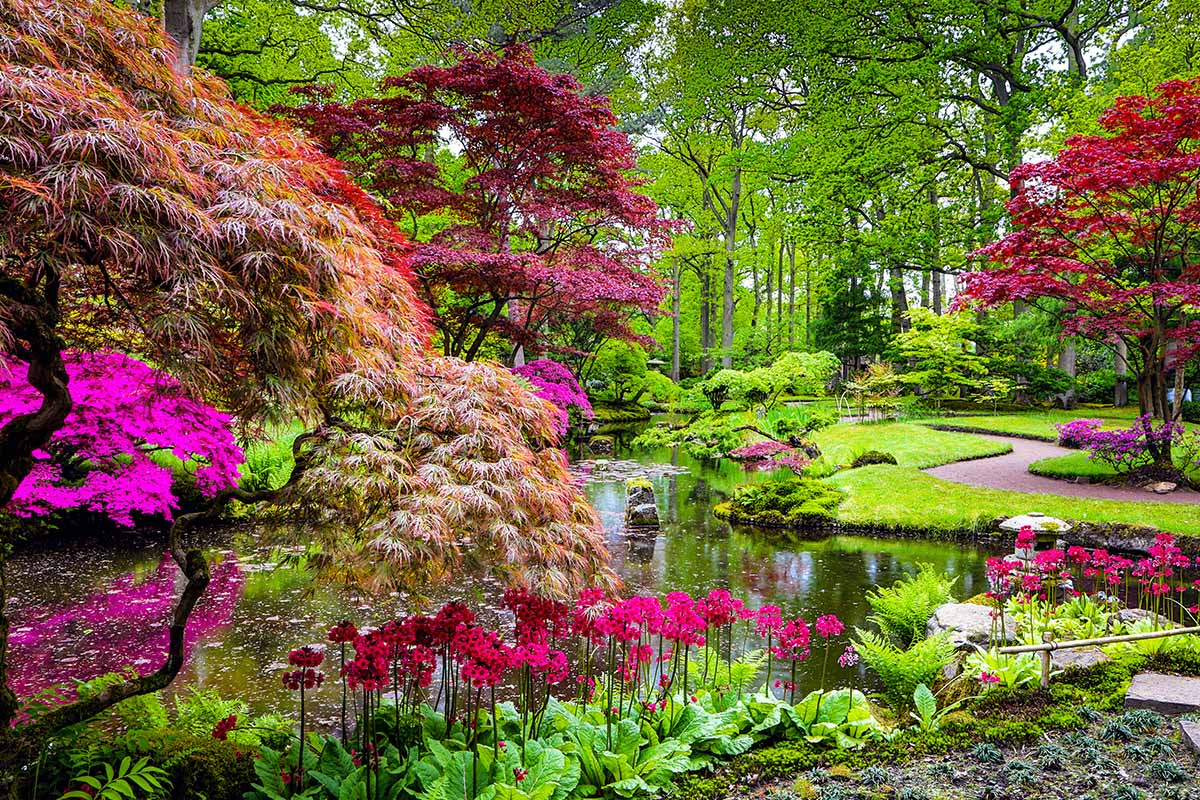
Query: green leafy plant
928, 716
1010, 671
901, 671
128, 780
903, 610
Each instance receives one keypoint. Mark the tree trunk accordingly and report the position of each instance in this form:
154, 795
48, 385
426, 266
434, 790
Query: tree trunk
731, 219
1066, 362
184, 21
676, 275
779, 299
900, 321
792, 296
1121, 368
706, 363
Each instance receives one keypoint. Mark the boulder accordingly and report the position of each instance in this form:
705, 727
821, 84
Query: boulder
1162, 487
968, 623
641, 509
1166, 694
601, 444
1078, 658
1132, 616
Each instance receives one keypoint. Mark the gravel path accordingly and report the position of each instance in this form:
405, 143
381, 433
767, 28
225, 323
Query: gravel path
1011, 471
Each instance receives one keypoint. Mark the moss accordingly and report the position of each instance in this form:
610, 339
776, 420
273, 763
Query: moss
613, 413
201, 766
981, 599
638, 483
791, 502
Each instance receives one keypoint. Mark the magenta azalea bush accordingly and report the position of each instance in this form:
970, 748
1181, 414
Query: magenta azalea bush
555, 383
1126, 449
768, 455
124, 413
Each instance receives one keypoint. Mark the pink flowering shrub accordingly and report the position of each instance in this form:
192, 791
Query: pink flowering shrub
101, 460
768, 455
555, 383
1126, 449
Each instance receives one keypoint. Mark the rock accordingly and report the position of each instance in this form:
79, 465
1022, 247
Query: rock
1132, 616
1078, 658
601, 444
970, 624
1191, 735
641, 509
1166, 694
1162, 487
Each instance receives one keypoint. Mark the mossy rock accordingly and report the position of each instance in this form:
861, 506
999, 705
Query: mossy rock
788, 503
873, 457
602, 445
981, 599
609, 413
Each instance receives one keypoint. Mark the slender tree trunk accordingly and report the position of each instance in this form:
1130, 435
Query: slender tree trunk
676, 282
938, 290
792, 296
1066, 362
1121, 368
779, 284
900, 321
706, 363
731, 220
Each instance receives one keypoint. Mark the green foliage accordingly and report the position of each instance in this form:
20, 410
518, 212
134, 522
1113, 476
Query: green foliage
928, 716
872, 457
1012, 670
789, 502
901, 671
942, 350
1191, 411
903, 610
710, 435
128, 780
619, 370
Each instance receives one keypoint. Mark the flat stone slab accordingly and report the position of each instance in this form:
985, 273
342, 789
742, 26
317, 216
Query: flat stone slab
969, 624
1078, 658
1191, 735
1166, 694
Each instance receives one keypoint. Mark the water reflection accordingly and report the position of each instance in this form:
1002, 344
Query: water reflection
95, 608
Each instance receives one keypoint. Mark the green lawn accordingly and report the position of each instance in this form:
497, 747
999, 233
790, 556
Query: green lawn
1078, 465
902, 496
1037, 424
916, 446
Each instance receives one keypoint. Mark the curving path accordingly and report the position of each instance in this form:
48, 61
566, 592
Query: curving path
1011, 471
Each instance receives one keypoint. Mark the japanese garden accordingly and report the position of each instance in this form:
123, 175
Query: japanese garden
599, 399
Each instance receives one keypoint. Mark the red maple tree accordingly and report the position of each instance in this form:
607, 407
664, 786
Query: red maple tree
145, 211
1109, 230
516, 186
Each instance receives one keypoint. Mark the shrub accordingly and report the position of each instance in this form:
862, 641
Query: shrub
1073, 434
789, 502
872, 457
901, 671
903, 610
1191, 411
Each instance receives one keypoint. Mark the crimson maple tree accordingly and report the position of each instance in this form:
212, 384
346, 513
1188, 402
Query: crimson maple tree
144, 211
516, 186
1109, 229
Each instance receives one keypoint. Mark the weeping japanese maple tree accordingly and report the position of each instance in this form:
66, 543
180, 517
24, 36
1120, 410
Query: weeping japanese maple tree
145, 212
515, 186
1109, 230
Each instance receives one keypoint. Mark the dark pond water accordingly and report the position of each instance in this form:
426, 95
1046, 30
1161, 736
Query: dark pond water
87, 608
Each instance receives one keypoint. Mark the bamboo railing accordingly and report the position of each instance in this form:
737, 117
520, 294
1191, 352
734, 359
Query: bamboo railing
1048, 645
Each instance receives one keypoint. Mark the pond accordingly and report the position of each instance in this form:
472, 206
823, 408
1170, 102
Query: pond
83, 608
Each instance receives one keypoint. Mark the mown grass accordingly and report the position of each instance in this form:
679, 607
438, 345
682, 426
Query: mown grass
904, 497
1078, 465
916, 446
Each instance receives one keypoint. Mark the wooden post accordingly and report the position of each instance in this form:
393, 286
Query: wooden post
1048, 637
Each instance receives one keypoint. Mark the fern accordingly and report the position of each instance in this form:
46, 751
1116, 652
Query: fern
128, 780
901, 671
903, 610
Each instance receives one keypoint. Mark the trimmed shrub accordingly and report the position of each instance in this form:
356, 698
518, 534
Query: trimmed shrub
872, 457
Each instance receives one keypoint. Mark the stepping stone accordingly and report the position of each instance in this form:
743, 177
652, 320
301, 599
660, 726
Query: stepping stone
1191, 735
1078, 658
1166, 694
